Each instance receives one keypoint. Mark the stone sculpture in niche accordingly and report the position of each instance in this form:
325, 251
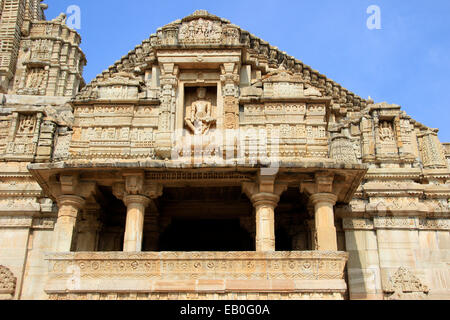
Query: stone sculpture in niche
199, 118
386, 131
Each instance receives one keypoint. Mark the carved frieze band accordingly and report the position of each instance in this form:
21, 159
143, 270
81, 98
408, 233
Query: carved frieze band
357, 224
26, 222
309, 265
199, 296
409, 223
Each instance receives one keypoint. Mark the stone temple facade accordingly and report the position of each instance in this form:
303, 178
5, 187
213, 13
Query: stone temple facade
207, 164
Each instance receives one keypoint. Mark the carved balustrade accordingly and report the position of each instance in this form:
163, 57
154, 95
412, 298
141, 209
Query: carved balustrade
74, 275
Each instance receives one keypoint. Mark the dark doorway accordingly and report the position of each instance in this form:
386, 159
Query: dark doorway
205, 235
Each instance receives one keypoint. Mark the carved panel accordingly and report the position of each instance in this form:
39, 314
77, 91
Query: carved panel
404, 285
200, 31
432, 152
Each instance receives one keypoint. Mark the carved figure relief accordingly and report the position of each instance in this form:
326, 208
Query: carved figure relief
201, 31
199, 116
35, 78
386, 132
26, 124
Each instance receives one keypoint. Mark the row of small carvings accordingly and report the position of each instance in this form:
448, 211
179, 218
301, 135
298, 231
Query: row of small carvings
181, 268
301, 109
381, 205
409, 223
197, 296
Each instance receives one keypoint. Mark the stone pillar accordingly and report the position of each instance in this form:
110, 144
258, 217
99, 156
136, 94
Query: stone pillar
136, 205
151, 230
137, 195
69, 206
324, 221
89, 228
265, 195
265, 204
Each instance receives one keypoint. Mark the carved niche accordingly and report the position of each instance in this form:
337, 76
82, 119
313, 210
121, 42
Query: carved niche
404, 285
387, 138
7, 284
200, 114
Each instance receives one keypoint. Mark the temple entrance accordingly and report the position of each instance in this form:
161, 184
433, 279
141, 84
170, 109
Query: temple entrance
206, 235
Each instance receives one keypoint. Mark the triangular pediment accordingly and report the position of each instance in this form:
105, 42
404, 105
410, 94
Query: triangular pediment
203, 30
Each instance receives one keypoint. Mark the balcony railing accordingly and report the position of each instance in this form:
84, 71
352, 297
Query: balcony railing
204, 275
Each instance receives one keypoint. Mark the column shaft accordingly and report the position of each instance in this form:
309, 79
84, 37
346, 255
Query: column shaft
324, 221
135, 222
69, 207
265, 204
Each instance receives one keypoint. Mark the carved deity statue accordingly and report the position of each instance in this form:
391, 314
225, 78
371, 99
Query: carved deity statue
386, 131
199, 120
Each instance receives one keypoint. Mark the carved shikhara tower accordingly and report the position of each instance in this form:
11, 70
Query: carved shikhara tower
207, 164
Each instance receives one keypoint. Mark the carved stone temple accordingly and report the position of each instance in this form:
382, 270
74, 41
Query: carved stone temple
207, 164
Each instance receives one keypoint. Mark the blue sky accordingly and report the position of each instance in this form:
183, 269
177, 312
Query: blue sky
407, 62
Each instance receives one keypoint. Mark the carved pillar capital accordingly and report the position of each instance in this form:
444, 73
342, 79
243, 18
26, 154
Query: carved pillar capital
72, 201
130, 200
329, 198
323, 182
265, 199
265, 185
135, 184
70, 184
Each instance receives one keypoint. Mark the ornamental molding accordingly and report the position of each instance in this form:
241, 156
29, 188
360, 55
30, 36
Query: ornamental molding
16, 222
357, 224
434, 224
407, 223
396, 204
312, 265
396, 223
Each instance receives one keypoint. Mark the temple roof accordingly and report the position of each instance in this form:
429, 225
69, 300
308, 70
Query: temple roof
141, 56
